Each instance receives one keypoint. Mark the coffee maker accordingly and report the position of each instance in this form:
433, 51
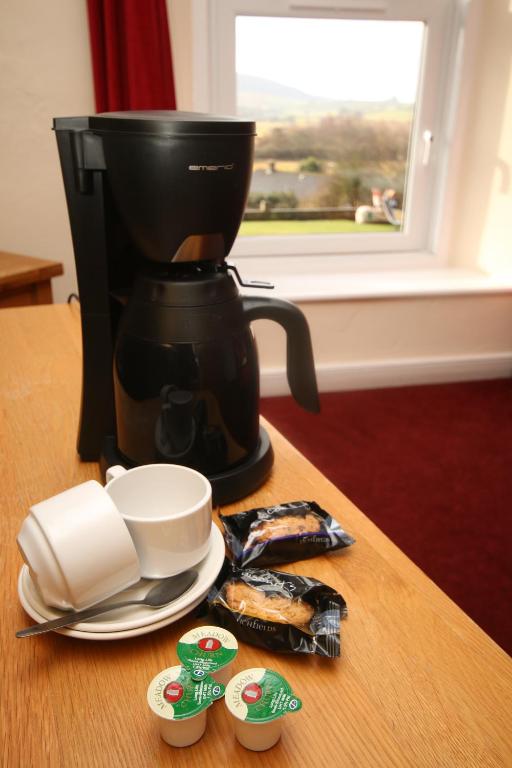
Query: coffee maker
170, 365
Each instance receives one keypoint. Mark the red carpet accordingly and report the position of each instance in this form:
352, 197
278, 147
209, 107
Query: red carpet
432, 467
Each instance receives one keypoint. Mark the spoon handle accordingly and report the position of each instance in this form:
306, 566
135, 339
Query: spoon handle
73, 618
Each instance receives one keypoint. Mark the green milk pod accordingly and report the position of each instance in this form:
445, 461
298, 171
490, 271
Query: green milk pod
208, 650
179, 703
257, 699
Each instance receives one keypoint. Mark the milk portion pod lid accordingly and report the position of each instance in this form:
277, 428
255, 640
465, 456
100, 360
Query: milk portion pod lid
259, 695
206, 649
174, 695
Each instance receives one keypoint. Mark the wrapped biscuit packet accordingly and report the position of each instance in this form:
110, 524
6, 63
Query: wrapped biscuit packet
283, 533
278, 611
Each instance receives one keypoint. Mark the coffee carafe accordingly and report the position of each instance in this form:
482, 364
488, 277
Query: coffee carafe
170, 364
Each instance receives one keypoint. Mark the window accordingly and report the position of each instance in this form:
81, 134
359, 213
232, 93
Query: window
350, 98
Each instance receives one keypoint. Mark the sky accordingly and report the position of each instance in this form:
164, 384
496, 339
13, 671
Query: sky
333, 58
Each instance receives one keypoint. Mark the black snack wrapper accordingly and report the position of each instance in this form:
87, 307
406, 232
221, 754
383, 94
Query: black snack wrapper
283, 533
278, 611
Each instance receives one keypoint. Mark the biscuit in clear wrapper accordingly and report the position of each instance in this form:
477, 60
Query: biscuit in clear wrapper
278, 611
283, 533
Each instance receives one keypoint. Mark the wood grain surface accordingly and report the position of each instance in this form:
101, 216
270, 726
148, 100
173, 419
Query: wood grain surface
17, 270
418, 683
26, 280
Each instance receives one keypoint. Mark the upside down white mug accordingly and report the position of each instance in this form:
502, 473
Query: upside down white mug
78, 548
168, 511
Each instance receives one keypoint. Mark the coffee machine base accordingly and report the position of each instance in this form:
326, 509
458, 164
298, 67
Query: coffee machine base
227, 486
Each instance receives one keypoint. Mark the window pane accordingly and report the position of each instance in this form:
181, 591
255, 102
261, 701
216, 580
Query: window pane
334, 103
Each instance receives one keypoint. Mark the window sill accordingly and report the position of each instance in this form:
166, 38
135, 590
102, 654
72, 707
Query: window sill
337, 285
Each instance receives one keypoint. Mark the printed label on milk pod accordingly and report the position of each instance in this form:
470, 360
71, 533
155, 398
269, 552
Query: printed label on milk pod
259, 695
206, 649
175, 695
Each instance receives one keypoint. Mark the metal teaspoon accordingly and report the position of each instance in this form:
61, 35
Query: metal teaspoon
161, 594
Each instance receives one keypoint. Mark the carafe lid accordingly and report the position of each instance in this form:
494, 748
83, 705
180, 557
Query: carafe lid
190, 288
170, 122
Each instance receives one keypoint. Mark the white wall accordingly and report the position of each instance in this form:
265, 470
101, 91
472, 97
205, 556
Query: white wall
45, 72
482, 227
366, 343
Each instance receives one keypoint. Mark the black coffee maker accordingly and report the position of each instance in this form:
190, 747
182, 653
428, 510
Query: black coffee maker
170, 366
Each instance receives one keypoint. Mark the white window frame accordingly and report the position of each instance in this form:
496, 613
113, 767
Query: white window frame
215, 91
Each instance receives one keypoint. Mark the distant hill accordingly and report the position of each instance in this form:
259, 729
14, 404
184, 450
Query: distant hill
263, 99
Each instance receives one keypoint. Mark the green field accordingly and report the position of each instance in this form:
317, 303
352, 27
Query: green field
315, 227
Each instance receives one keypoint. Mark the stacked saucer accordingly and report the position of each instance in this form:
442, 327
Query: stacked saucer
134, 620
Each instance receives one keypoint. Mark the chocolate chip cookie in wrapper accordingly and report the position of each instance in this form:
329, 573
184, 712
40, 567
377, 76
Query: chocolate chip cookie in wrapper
282, 533
278, 611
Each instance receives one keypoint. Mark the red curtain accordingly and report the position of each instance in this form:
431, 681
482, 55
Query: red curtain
131, 55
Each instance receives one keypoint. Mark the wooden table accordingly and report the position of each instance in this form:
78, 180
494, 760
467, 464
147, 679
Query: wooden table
26, 280
418, 684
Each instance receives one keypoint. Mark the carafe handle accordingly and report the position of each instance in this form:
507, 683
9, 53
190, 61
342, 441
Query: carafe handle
300, 366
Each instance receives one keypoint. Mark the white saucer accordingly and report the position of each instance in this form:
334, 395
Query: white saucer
133, 620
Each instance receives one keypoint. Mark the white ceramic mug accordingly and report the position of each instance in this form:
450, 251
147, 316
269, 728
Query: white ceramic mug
168, 511
78, 548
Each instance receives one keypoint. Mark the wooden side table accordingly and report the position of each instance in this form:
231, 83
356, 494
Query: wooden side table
417, 684
26, 280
